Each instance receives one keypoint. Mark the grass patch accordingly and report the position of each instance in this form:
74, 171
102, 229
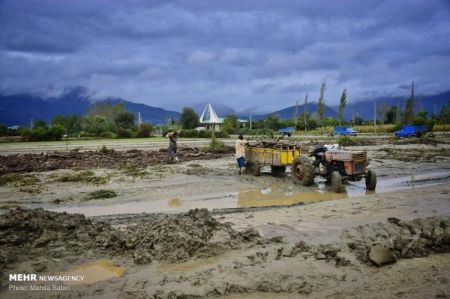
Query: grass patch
215, 145
134, 171
102, 193
19, 180
86, 176
346, 140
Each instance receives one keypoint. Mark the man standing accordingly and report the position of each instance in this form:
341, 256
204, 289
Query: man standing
240, 152
173, 138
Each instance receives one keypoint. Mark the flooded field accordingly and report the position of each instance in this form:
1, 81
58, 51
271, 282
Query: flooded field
277, 192
131, 228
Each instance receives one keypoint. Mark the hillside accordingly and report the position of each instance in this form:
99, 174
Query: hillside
20, 109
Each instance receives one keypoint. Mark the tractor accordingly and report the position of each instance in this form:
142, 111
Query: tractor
335, 165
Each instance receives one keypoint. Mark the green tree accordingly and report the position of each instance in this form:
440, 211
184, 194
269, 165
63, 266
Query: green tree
72, 123
321, 104
189, 119
108, 111
124, 120
3, 130
311, 123
230, 123
409, 112
97, 125
272, 122
391, 114
409, 107
444, 116
330, 122
145, 130
40, 124
342, 103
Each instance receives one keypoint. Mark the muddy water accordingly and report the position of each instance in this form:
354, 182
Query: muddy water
276, 192
95, 272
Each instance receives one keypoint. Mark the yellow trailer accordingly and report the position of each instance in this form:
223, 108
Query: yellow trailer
279, 155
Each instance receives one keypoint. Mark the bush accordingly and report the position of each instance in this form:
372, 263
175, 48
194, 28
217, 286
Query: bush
124, 133
56, 132
108, 135
43, 134
145, 130
189, 133
216, 145
346, 140
221, 135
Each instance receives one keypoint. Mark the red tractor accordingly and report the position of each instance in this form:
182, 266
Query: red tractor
335, 165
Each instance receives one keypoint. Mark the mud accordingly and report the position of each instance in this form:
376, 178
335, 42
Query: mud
417, 155
103, 158
34, 233
265, 237
403, 239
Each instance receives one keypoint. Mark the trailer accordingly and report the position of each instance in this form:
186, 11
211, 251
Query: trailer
277, 155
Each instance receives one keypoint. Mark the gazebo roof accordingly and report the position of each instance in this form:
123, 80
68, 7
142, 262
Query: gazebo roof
209, 116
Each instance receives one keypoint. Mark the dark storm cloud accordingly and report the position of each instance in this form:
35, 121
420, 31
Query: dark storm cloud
242, 53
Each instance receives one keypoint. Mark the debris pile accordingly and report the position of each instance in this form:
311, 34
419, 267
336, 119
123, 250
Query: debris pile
178, 237
103, 158
384, 242
30, 233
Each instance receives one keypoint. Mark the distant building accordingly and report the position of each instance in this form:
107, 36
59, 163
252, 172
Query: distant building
209, 119
211, 122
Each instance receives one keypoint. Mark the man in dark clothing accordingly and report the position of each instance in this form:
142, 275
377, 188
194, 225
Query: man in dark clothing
173, 138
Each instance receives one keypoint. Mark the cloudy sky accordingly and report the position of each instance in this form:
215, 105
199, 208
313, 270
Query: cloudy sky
247, 54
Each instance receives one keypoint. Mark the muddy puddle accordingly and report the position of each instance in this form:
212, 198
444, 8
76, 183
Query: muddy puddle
277, 192
94, 272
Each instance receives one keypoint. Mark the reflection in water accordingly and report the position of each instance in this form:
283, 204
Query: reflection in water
277, 192
279, 197
175, 202
95, 272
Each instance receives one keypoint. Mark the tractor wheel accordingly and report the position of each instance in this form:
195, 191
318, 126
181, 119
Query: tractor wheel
276, 170
336, 182
302, 171
256, 168
371, 180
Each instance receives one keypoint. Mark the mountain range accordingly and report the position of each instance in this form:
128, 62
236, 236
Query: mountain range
20, 109
364, 109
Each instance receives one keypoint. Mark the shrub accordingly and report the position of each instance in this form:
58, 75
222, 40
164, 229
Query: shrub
216, 145
189, 133
346, 140
108, 135
124, 133
221, 135
56, 132
204, 134
145, 130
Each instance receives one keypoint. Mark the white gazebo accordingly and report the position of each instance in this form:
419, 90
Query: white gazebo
210, 120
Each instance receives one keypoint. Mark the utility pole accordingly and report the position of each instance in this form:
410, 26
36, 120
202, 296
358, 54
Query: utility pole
296, 114
139, 119
250, 121
31, 124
